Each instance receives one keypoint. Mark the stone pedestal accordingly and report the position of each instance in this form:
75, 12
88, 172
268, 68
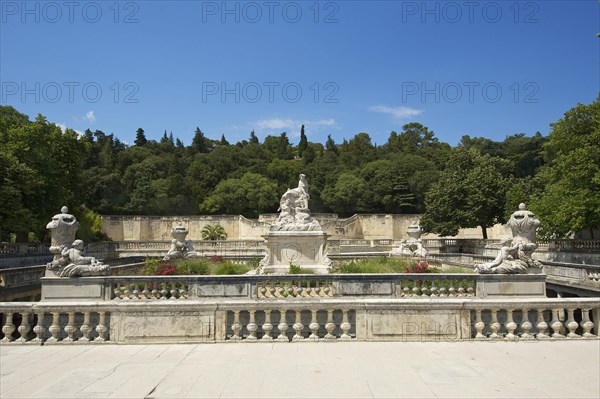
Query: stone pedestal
303, 248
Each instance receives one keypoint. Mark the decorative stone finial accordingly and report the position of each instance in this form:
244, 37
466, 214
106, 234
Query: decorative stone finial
64, 209
522, 206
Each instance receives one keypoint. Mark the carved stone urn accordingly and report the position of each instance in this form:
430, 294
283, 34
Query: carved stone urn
63, 228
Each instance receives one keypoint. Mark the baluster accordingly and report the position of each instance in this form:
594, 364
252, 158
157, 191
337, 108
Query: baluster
345, 326
330, 326
271, 285
314, 327
572, 324
424, 289
173, 291
261, 291
451, 289
281, 291
145, 291
327, 290
494, 325
101, 328
556, 324
282, 327
415, 289
511, 326
8, 329
317, 288
163, 290
298, 327
70, 327
479, 325
85, 328
136, 291
236, 327
526, 326
117, 291
587, 324
54, 328
39, 328
127, 292
154, 292
299, 290
470, 289
541, 325
252, 327
267, 326
183, 290
443, 289
461, 289
434, 289
24, 328
405, 289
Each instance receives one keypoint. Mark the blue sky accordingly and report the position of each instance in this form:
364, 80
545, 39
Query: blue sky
480, 68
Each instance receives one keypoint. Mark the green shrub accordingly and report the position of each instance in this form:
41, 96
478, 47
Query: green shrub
193, 267
297, 269
230, 268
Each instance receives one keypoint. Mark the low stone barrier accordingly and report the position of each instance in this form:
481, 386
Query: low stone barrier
324, 320
289, 287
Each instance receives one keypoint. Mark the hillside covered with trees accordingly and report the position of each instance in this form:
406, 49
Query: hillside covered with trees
476, 183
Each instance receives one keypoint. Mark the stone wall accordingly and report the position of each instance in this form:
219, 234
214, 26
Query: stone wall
366, 226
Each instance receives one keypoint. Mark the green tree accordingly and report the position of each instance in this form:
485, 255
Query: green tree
471, 192
303, 144
249, 195
200, 143
213, 232
140, 137
347, 195
570, 201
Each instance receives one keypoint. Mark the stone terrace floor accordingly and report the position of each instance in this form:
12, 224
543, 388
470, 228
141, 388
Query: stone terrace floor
304, 370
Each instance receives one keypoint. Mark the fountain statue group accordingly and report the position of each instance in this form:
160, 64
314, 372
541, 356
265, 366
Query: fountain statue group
515, 255
69, 253
295, 238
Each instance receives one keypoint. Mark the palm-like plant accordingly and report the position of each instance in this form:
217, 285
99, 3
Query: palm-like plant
213, 232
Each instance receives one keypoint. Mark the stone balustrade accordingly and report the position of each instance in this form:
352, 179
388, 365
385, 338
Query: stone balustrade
370, 319
550, 319
279, 287
287, 324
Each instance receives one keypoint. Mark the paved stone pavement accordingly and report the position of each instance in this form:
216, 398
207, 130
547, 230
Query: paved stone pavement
304, 370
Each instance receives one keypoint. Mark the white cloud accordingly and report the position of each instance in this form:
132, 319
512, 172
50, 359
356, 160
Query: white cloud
63, 126
292, 126
90, 117
396, 112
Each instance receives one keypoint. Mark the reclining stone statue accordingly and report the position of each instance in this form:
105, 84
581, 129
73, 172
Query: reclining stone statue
515, 256
69, 254
79, 265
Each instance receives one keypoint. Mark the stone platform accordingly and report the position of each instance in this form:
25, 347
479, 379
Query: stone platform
308, 370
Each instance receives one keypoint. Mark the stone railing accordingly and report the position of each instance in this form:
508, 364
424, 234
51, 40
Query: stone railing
330, 320
306, 287
288, 287
571, 245
582, 276
546, 319
225, 248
